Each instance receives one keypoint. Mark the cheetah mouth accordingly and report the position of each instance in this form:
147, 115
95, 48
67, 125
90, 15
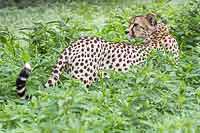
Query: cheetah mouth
129, 36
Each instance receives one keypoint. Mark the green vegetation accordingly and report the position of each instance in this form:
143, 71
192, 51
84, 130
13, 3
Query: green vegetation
156, 97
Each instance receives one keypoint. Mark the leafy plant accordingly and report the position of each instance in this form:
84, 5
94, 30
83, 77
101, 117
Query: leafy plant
158, 96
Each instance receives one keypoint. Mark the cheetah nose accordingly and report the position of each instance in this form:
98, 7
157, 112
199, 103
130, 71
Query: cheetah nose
126, 32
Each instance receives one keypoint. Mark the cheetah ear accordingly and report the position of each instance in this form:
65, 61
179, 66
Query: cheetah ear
151, 18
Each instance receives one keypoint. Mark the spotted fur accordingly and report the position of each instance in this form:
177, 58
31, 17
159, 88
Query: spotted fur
86, 56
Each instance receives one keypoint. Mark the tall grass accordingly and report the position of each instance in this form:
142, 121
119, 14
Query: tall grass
156, 97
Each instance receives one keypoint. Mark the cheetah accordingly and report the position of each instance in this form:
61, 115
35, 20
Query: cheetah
85, 57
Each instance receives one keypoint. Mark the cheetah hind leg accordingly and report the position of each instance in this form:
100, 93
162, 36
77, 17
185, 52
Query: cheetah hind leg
57, 70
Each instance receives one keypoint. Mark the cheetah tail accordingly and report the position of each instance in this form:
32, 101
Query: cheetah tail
21, 82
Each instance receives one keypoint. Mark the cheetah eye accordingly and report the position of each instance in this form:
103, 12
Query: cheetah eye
135, 25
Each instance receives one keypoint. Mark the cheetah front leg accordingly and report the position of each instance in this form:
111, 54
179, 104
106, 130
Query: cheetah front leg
57, 70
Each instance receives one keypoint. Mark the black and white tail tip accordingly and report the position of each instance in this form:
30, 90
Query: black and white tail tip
21, 82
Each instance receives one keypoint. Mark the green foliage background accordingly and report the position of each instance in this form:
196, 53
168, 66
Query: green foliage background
156, 97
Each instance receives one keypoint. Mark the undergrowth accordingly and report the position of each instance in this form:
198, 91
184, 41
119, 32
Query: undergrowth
156, 97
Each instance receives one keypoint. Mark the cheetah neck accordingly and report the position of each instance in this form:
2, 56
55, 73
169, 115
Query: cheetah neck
154, 40
156, 37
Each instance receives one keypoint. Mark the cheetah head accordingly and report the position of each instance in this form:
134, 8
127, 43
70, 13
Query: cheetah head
141, 26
